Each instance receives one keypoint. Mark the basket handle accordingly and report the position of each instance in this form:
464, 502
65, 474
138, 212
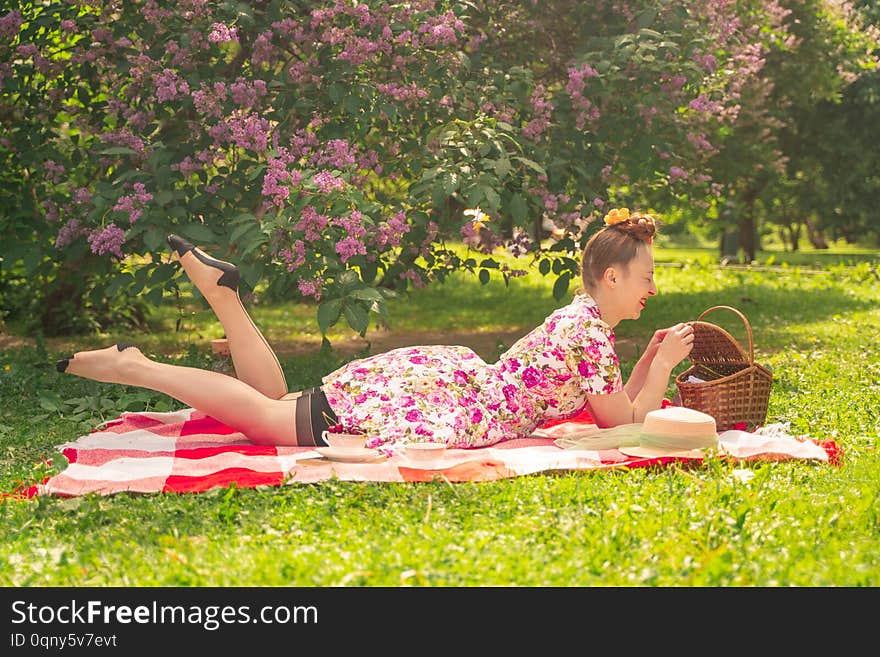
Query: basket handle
744, 320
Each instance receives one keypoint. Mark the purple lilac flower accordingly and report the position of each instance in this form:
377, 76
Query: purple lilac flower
134, 203
310, 288
295, 257
68, 233
327, 182
54, 171
221, 33
311, 223
108, 240
675, 173
169, 86
391, 232
51, 210
10, 24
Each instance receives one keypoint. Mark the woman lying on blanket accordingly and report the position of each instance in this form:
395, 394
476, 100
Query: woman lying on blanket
430, 393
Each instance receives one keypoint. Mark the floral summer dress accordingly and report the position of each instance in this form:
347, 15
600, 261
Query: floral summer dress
449, 394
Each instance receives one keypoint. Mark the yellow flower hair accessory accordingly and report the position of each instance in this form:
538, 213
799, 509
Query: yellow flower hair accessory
616, 216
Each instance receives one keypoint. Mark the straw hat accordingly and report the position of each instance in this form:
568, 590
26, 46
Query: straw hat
673, 431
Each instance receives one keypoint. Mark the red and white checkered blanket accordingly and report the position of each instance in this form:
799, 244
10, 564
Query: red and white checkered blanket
186, 451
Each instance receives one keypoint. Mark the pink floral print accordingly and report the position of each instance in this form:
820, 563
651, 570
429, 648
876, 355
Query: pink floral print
449, 394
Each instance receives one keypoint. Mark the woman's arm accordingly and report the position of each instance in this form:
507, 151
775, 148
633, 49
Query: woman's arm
618, 408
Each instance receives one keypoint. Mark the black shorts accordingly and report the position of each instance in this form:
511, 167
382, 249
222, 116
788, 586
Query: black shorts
313, 417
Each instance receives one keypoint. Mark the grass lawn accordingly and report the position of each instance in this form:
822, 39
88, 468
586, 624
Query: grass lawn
792, 524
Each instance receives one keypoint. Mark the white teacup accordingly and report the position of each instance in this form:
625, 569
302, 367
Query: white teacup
345, 440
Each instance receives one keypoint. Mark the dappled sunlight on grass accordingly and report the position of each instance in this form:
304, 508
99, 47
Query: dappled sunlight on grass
688, 282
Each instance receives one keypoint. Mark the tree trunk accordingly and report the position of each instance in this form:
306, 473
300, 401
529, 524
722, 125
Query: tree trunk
814, 234
63, 302
795, 236
747, 232
783, 237
789, 231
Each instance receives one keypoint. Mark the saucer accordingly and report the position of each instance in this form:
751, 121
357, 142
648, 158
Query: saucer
350, 454
439, 463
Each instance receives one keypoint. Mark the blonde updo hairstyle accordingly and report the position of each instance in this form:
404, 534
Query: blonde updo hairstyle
616, 244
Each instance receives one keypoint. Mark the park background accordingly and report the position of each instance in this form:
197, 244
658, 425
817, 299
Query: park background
402, 173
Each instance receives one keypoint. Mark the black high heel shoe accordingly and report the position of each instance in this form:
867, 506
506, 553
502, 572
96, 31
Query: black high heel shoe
231, 276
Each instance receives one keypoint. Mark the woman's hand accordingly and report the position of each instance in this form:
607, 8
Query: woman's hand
656, 339
673, 344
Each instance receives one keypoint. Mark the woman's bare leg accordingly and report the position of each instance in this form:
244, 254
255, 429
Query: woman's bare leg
263, 420
254, 360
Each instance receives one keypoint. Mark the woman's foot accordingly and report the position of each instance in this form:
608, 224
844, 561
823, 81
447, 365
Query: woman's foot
110, 365
202, 269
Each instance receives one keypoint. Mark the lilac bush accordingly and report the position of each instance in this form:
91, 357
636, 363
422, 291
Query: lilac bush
333, 148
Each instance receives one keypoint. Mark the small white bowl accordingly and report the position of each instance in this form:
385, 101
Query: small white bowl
424, 452
345, 440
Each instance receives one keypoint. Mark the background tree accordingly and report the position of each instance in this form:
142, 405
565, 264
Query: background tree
779, 158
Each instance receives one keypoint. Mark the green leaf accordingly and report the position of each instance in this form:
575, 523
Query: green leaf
251, 273
484, 276
50, 401
475, 197
450, 183
154, 296
351, 104
367, 294
328, 314
502, 167
117, 150
560, 287
255, 172
430, 174
257, 242
199, 234
646, 18
544, 267
112, 288
357, 317
154, 239
519, 209
163, 273
650, 33
348, 279
369, 270
534, 166
241, 230
492, 197
243, 218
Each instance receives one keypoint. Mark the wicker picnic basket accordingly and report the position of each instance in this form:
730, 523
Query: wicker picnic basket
733, 387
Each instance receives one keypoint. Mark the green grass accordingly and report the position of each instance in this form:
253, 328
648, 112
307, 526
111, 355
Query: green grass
792, 524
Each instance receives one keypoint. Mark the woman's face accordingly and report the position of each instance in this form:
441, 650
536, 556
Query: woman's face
635, 284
